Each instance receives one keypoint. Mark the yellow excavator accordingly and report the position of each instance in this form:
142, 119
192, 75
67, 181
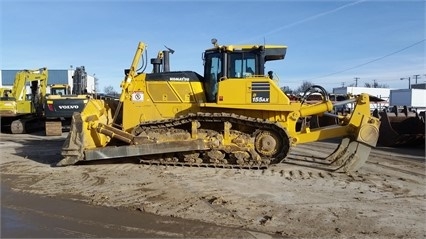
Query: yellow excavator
62, 103
234, 116
21, 111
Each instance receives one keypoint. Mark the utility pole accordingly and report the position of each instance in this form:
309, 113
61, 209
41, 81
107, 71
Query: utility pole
343, 84
356, 81
409, 81
416, 76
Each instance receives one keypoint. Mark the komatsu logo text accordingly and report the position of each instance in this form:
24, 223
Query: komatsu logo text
179, 79
68, 107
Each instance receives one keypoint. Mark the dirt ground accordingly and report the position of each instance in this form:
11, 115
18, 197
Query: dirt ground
385, 199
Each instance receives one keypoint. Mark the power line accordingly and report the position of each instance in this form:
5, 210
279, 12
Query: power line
366, 63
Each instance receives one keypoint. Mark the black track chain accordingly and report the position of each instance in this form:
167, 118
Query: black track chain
255, 123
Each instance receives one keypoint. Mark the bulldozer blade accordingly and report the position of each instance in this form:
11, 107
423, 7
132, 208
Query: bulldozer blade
348, 157
72, 149
111, 152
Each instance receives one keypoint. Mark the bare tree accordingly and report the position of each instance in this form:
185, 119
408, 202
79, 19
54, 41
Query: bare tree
109, 90
304, 86
375, 84
287, 90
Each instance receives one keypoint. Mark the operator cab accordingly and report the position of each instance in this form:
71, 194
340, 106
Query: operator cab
60, 89
236, 62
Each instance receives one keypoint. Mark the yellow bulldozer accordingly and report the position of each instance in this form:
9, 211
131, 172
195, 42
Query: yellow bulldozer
233, 116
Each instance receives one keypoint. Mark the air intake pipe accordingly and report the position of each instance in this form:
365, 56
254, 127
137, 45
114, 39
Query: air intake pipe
156, 65
166, 61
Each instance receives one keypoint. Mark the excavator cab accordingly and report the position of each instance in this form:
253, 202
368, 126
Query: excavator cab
60, 89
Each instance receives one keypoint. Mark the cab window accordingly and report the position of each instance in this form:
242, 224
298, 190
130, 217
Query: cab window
242, 65
213, 72
58, 91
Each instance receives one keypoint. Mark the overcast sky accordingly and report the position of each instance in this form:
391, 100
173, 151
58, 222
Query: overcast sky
329, 42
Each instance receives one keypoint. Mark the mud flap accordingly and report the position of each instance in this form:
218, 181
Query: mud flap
72, 149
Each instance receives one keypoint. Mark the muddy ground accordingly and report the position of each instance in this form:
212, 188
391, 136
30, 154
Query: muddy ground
385, 199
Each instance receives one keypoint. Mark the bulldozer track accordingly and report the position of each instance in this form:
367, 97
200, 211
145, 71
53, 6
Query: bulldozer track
407, 161
408, 172
291, 174
200, 165
271, 171
252, 127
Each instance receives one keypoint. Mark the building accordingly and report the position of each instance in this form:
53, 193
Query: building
7, 77
381, 93
415, 97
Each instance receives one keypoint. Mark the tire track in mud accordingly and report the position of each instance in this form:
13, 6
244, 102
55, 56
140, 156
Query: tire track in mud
299, 174
22, 168
224, 202
94, 181
398, 169
410, 166
126, 190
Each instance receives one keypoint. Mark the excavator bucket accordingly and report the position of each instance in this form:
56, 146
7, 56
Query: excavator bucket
401, 128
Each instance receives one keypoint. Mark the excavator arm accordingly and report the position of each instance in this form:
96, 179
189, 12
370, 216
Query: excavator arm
25, 76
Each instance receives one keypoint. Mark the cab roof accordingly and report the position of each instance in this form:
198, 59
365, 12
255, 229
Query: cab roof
272, 52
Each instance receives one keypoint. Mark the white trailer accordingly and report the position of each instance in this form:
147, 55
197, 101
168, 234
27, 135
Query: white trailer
413, 98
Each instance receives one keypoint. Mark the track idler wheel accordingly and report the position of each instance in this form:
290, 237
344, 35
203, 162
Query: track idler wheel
267, 143
271, 146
